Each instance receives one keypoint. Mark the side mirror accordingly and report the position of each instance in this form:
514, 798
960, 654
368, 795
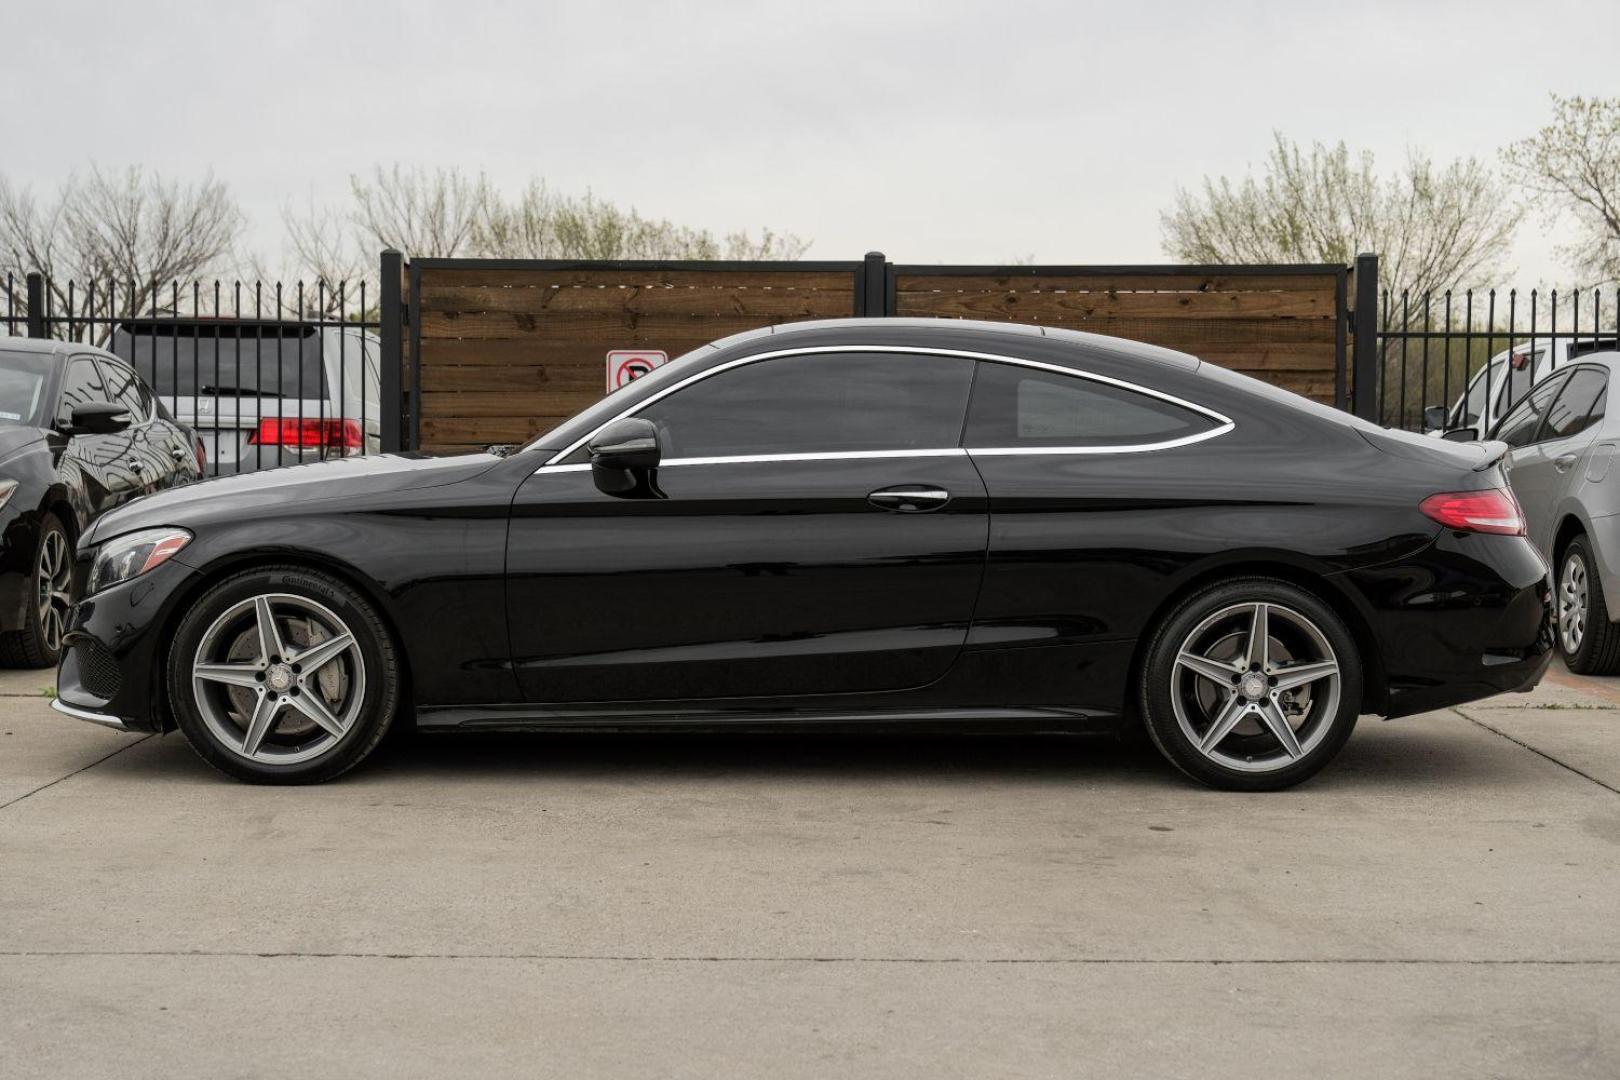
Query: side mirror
98, 418
1434, 417
1461, 434
623, 454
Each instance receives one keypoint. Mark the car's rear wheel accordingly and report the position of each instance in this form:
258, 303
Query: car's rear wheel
1588, 641
38, 642
1253, 684
283, 676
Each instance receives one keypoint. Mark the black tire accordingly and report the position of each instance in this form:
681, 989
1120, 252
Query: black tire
1598, 651
1159, 683
375, 710
38, 643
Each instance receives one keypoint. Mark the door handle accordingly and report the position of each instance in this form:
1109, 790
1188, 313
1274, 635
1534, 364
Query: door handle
909, 498
1563, 461
136, 463
177, 453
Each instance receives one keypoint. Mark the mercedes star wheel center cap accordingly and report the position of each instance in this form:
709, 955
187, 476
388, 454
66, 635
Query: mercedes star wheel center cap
1254, 686
279, 678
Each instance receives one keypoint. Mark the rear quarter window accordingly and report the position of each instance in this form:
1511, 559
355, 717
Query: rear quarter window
1015, 406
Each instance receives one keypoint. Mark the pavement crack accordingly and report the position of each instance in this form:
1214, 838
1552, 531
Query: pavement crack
1540, 753
75, 772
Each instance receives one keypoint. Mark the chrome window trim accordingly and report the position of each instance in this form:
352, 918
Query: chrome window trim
1223, 423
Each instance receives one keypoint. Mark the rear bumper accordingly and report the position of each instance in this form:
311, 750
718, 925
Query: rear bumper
1469, 617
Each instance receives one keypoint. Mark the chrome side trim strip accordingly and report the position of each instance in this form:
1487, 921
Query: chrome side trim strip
104, 719
1225, 422
831, 455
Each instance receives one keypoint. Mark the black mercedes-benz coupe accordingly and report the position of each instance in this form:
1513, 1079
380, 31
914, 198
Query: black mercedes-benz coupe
79, 434
835, 524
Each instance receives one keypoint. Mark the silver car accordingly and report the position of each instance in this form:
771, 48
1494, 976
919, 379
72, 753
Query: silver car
1563, 437
261, 392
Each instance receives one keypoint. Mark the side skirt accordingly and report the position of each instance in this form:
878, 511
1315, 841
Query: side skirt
655, 718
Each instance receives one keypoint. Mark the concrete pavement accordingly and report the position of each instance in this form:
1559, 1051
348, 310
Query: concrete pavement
1443, 901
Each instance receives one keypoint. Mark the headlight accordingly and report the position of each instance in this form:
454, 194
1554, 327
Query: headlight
7, 487
133, 554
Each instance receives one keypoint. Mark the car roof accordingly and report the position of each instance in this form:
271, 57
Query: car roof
885, 330
52, 347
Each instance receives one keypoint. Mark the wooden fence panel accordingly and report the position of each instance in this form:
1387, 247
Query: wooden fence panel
1284, 327
506, 353
503, 352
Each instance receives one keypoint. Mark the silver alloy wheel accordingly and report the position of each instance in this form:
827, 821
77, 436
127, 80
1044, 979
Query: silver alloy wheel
1573, 603
1255, 686
279, 679
53, 582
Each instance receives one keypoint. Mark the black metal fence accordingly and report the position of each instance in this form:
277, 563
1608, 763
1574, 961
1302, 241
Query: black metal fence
266, 374
1462, 358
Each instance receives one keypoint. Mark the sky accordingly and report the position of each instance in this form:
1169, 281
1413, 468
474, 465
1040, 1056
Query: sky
936, 131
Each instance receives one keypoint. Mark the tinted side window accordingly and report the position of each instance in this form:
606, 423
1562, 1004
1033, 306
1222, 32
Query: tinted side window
127, 390
818, 404
1019, 406
1580, 405
81, 386
1522, 424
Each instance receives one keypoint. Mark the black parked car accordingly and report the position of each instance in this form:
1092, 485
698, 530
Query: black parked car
856, 522
79, 434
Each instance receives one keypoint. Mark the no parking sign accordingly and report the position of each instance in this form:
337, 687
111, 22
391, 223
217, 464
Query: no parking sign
625, 366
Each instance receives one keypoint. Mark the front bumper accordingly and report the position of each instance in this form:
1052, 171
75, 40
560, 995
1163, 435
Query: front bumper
112, 657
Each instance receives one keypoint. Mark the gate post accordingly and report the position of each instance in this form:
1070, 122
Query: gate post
1365, 358
36, 304
391, 334
874, 296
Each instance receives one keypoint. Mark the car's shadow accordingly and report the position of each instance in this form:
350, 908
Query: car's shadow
1381, 759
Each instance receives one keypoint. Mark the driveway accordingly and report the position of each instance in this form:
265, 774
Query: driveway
1443, 901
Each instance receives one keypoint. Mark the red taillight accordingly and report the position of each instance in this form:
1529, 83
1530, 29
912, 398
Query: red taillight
310, 433
202, 457
1494, 510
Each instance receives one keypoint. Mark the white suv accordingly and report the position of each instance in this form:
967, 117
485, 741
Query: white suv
261, 392
1502, 384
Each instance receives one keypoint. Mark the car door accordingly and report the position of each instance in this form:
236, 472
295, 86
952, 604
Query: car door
814, 528
1080, 471
103, 460
1555, 462
1530, 472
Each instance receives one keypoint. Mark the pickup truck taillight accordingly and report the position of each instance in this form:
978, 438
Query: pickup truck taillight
1493, 510
311, 434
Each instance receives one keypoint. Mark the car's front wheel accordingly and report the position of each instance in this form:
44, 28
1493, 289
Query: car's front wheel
1252, 684
283, 675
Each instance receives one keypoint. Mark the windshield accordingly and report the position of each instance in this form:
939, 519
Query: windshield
22, 387
582, 424
258, 359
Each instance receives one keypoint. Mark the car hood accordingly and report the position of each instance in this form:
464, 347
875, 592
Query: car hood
345, 479
15, 437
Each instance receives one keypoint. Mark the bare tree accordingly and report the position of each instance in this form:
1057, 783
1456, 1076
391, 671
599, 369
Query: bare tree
429, 214
541, 224
128, 235
322, 263
1432, 228
1572, 166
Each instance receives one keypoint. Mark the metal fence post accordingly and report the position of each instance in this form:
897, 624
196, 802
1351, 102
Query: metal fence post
875, 285
391, 333
1365, 359
36, 304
